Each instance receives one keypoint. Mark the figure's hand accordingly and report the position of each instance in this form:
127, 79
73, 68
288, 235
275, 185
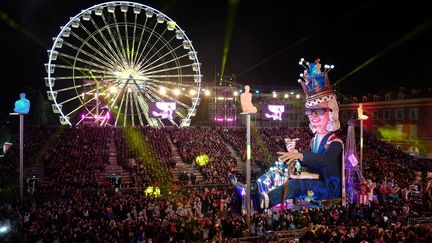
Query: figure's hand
290, 144
290, 157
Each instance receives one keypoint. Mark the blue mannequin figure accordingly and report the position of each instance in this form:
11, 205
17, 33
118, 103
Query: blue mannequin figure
22, 106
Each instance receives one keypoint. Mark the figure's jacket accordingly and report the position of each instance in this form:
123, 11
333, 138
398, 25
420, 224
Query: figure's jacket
327, 162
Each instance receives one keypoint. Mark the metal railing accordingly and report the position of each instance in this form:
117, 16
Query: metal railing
419, 221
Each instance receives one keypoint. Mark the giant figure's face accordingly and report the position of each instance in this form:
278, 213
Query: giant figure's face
319, 117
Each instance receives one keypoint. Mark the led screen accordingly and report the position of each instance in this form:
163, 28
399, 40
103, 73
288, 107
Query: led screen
162, 110
272, 112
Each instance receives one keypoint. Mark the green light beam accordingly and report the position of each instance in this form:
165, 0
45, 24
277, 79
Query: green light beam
143, 149
11, 23
232, 10
306, 38
395, 44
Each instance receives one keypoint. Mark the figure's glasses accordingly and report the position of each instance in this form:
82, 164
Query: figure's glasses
318, 111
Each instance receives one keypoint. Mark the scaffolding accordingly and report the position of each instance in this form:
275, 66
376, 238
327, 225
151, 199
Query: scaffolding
223, 103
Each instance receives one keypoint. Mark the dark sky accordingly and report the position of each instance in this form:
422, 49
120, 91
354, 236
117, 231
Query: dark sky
398, 35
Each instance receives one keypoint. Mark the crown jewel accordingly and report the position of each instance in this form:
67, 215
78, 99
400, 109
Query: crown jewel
315, 83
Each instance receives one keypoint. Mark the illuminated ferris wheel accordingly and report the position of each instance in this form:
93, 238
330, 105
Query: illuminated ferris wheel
122, 64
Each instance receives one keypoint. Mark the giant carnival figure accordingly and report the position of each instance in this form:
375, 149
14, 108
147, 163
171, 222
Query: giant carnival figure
316, 174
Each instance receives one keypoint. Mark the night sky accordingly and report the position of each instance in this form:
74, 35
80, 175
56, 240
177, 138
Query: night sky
392, 39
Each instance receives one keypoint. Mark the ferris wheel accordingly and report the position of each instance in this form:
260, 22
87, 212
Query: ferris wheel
111, 63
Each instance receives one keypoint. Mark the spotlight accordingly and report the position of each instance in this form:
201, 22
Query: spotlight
176, 91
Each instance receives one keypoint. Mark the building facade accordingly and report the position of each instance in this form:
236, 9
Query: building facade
403, 119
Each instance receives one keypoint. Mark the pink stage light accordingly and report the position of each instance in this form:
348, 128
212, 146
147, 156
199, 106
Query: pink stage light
230, 119
219, 119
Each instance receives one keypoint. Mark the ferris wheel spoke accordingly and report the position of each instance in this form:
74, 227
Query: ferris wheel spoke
113, 39
174, 84
133, 39
95, 73
80, 106
144, 106
83, 77
101, 93
132, 108
160, 49
111, 53
104, 90
143, 69
123, 91
110, 106
127, 37
85, 61
145, 45
168, 69
126, 108
172, 76
153, 95
138, 108
119, 36
154, 44
105, 73
104, 119
83, 70
140, 41
70, 99
72, 87
155, 91
106, 61
113, 99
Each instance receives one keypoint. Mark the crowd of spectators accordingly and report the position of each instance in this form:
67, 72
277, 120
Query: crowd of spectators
192, 142
35, 138
202, 213
187, 178
76, 160
145, 152
98, 217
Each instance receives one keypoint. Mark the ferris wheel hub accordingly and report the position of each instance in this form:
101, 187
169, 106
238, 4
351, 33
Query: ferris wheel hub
130, 73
